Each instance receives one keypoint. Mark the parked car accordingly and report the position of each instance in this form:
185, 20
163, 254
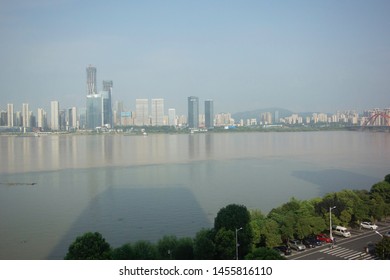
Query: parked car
311, 242
296, 245
283, 250
368, 225
323, 238
387, 234
342, 231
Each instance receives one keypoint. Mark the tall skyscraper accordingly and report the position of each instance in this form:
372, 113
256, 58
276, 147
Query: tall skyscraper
107, 103
25, 115
172, 117
94, 111
118, 112
107, 108
141, 112
209, 113
157, 112
71, 118
193, 112
10, 115
41, 117
108, 85
91, 80
55, 115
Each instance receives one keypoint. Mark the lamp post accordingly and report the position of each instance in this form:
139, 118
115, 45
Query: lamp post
237, 230
330, 223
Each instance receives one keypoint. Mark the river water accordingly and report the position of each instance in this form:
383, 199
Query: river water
54, 188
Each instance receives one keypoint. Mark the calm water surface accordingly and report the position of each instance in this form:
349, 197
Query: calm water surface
134, 187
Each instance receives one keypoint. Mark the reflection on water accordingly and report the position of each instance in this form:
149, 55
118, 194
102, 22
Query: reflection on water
124, 214
124, 186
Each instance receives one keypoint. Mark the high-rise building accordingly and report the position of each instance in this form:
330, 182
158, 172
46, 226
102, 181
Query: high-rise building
3, 118
41, 118
94, 111
142, 112
10, 115
25, 115
172, 117
107, 103
157, 112
209, 113
106, 108
118, 113
82, 118
71, 118
193, 112
91, 80
55, 115
108, 85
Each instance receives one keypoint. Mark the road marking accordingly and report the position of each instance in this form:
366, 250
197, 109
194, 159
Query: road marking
348, 254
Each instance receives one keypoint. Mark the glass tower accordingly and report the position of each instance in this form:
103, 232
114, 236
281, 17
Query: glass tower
209, 113
193, 112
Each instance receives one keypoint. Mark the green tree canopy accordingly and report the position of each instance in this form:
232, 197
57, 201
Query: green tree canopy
184, 249
264, 254
387, 178
225, 244
89, 246
204, 246
166, 247
145, 250
382, 249
236, 217
125, 252
383, 189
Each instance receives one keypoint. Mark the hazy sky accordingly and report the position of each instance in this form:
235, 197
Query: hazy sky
300, 55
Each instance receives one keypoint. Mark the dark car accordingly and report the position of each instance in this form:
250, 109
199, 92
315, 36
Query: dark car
370, 248
283, 250
311, 242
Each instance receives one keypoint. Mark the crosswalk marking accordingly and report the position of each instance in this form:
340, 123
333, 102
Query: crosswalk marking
347, 254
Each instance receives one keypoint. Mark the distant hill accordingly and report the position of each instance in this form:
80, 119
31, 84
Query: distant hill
255, 114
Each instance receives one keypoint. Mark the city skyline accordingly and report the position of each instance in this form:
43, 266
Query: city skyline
99, 112
305, 56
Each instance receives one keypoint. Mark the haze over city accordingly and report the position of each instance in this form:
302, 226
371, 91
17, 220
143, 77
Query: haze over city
301, 55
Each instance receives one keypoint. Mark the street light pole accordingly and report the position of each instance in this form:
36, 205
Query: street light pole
330, 223
237, 230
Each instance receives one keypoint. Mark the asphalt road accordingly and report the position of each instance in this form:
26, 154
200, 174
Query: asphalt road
352, 248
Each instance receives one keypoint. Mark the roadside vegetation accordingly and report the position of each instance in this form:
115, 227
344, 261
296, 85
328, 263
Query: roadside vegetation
256, 232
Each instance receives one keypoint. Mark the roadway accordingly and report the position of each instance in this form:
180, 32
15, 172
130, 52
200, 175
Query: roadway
352, 248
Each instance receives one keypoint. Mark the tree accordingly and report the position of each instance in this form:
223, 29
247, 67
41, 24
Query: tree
144, 250
382, 249
125, 252
297, 219
225, 244
264, 254
204, 246
383, 189
184, 249
166, 247
89, 246
387, 178
233, 217
264, 229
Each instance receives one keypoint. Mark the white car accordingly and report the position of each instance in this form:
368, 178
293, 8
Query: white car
369, 225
